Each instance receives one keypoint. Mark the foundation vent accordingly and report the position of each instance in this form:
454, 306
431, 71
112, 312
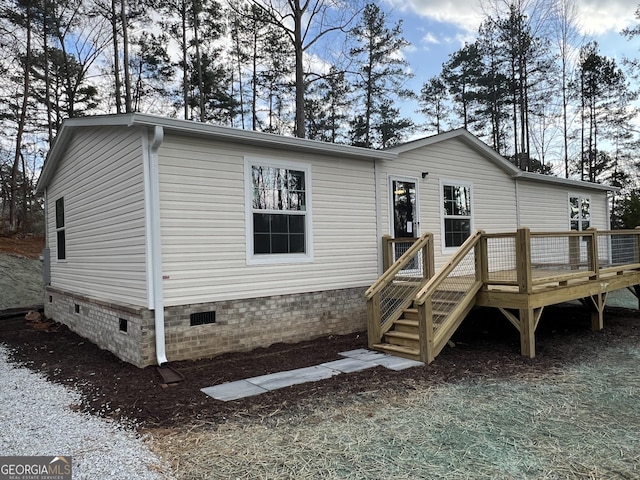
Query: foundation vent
202, 318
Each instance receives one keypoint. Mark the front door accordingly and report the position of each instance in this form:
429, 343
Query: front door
405, 219
405, 215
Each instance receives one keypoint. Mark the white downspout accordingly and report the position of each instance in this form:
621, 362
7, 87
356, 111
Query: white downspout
154, 244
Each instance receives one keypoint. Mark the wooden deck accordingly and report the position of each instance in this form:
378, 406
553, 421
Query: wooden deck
568, 266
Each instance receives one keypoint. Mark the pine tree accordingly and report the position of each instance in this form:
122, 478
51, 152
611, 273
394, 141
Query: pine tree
381, 73
434, 104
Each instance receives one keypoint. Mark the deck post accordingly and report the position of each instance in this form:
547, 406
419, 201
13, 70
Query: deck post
373, 320
597, 312
387, 252
482, 260
425, 325
527, 332
593, 253
428, 264
523, 260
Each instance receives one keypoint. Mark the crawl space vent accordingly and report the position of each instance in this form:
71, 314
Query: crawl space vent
203, 318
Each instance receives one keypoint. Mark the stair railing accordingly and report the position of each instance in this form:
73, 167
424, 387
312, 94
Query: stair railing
395, 289
444, 301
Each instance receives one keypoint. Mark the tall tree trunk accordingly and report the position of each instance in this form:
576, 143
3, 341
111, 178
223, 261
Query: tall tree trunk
13, 203
47, 78
196, 38
300, 83
565, 126
125, 55
185, 60
116, 57
254, 81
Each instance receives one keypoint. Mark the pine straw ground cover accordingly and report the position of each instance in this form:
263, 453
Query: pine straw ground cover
576, 420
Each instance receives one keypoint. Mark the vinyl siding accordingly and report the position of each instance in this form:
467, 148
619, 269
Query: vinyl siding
101, 180
202, 199
493, 191
546, 207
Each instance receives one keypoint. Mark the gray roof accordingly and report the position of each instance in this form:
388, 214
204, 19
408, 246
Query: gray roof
201, 130
190, 128
490, 154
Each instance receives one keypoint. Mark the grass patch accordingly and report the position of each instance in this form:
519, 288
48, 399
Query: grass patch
575, 422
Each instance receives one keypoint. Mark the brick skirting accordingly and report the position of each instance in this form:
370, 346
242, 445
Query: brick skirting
240, 325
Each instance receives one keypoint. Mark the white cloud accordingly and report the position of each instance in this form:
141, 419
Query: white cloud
430, 38
465, 15
596, 17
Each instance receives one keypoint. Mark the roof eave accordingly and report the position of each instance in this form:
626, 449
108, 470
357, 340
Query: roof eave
537, 177
201, 130
260, 138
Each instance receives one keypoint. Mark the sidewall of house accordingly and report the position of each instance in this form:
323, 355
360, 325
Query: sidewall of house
546, 207
493, 191
100, 179
204, 234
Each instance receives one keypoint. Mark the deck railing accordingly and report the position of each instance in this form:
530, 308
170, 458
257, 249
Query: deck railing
449, 295
618, 250
524, 262
395, 289
528, 259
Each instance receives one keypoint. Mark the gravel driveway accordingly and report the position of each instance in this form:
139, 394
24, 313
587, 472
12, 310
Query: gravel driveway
37, 418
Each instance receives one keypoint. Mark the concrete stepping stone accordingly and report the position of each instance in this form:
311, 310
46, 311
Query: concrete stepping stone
348, 365
397, 363
233, 390
278, 380
363, 355
353, 361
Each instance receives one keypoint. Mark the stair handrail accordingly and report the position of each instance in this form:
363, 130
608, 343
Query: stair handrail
398, 266
434, 282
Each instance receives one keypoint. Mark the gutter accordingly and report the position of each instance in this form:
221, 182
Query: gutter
154, 245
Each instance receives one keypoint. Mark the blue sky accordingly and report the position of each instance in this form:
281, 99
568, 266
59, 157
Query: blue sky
437, 28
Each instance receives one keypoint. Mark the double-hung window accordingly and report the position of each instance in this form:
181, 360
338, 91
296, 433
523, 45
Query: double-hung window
579, 212
61, 244
456, 212
278, 211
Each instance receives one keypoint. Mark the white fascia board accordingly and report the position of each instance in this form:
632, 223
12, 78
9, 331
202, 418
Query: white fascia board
568, 182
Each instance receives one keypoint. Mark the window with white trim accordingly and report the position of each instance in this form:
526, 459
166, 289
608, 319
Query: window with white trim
61, 243
278, 213
579, 212
456, 213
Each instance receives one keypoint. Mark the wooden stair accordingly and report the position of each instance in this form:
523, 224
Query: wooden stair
403, 338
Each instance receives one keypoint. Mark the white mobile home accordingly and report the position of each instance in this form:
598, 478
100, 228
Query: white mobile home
170, 239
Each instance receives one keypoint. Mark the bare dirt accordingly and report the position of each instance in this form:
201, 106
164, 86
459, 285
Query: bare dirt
487, 346
28, 246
